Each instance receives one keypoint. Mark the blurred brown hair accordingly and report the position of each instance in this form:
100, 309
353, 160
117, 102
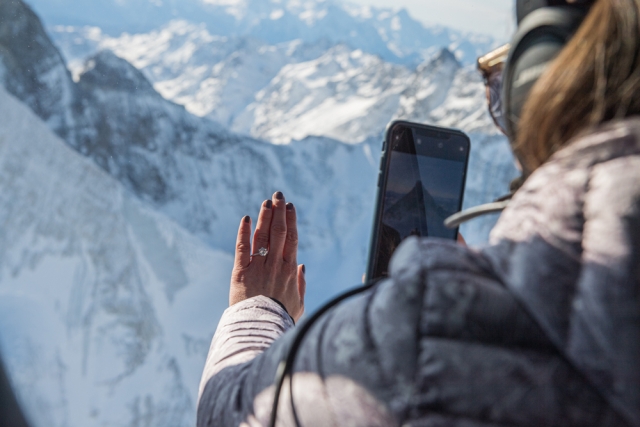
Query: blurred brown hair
595, 79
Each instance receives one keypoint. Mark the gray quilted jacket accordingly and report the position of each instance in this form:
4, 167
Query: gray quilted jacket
540, 328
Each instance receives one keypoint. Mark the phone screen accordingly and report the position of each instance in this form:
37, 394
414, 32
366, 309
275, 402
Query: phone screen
424, 184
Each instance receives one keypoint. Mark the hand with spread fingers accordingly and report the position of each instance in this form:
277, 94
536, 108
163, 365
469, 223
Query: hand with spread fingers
269, 267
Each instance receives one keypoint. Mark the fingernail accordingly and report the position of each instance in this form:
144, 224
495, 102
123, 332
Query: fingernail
268, 205
304, 269
247, 219
289, 206
279, 195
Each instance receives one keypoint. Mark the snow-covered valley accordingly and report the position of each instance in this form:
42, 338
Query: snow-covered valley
128, 160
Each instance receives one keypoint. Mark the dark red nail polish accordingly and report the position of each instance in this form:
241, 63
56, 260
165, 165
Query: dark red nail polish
279, 195
304, 269
269, 203
247, 219
289, 206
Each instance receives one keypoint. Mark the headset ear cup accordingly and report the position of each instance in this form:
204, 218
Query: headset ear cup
539, 39
523, 72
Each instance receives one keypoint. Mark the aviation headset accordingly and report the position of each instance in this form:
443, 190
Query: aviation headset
544, 28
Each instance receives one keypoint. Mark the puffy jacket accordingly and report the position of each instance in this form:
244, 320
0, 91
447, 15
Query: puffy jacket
539, 328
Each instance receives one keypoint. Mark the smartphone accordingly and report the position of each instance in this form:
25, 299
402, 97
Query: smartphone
421, 183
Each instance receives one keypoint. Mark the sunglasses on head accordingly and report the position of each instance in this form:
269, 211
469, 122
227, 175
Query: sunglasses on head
491, 66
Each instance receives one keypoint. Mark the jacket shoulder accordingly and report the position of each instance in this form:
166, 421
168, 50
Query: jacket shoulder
462, 297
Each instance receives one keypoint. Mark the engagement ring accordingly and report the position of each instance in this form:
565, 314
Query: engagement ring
261, 252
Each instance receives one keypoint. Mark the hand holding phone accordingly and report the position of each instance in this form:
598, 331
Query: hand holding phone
422, 179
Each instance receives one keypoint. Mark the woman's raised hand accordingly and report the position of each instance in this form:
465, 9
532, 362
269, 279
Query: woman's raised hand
277, 274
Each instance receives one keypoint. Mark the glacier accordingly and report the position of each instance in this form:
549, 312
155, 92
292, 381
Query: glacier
129, 158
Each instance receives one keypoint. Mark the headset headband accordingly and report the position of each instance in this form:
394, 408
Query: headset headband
525, 7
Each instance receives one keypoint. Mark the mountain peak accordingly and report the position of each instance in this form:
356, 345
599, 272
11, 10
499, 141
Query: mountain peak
443, 58
110, 72
445, 55
404, 14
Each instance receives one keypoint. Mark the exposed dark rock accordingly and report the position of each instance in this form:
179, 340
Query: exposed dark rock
31, 66
109, 72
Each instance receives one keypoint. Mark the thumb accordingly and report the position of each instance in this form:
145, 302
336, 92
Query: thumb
302, 286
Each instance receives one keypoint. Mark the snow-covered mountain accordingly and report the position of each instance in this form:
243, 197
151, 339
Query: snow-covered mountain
393, 35
351, 96
120, 261
292, 90
106, 307
212, 76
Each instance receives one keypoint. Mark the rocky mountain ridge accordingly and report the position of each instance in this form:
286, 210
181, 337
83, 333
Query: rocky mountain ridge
290, 91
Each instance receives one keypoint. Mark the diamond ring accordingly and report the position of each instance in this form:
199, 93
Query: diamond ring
261, 252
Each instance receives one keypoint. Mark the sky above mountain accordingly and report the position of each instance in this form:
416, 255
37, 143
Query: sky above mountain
492, 17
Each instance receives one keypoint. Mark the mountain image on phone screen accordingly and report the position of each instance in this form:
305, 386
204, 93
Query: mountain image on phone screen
425, 180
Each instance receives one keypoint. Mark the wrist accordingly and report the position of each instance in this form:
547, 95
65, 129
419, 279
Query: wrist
284, 308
